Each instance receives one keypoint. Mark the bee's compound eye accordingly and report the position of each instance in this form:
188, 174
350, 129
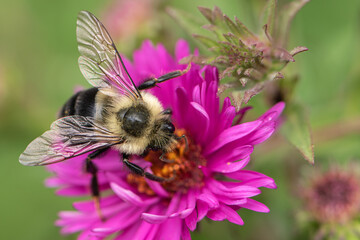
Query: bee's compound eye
168, 127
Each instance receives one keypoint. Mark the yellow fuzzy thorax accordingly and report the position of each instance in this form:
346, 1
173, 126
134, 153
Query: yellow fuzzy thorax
112, 105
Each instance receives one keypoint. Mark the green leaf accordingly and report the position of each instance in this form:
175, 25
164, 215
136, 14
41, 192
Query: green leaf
233, 28
231, 38
245, 32
207, 13
218, 18
297, 130
208, 42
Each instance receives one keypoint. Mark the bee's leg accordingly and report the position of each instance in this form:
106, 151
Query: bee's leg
153, 81
91, 168
140, 171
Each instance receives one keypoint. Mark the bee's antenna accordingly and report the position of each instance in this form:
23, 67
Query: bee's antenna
165, 159
186, 141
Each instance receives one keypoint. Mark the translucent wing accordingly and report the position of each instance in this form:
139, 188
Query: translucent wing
68, 137
100, 62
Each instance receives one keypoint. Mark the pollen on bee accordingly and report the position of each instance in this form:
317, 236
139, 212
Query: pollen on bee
183, 165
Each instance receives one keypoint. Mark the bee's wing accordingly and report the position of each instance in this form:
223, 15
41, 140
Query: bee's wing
100, 62
68, 137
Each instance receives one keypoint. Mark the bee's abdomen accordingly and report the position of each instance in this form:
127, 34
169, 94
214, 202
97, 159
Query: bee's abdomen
82, 103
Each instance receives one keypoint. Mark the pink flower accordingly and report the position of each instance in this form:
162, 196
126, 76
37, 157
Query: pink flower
209, 176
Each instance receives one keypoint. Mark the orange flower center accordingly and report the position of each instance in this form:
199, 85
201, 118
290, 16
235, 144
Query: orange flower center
182, 167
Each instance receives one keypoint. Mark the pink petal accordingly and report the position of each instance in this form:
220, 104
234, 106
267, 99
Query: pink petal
230, 135
73, 191
164, 56
182, 214
156, 186
153, 218
226, 117
88, 206
230, 201
231, 215
255, 206
129, 232
181, 49
191, 220
211, 101
199, 128
87, 235
182, 106
232, 192
216, 214
230, 155
126, 195
172, 211
208, 198
231, 166
185, 233
120, 221
186, 205
275, 111
174, 203
245, 175
260, 182
153, 231
261, 134
202, 209
143, 230
170, 230
196, 96
54, 182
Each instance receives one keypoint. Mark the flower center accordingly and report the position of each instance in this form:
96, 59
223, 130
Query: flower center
335, 197
182, 166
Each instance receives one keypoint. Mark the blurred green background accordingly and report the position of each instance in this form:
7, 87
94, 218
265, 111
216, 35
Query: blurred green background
38, 72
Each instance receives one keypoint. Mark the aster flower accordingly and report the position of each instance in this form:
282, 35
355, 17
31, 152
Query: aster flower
208, 172
333, 196
331, 200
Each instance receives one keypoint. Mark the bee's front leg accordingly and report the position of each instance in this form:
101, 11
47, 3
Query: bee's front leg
140, 171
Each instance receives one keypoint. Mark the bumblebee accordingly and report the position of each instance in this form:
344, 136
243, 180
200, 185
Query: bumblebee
114, 114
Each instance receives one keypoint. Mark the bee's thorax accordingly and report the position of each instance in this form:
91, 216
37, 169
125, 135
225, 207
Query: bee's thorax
134, 120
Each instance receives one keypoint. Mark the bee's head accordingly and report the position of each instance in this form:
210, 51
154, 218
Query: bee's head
162, 137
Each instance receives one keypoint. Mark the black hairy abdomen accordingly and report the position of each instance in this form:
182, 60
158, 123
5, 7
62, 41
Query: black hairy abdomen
82, 103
